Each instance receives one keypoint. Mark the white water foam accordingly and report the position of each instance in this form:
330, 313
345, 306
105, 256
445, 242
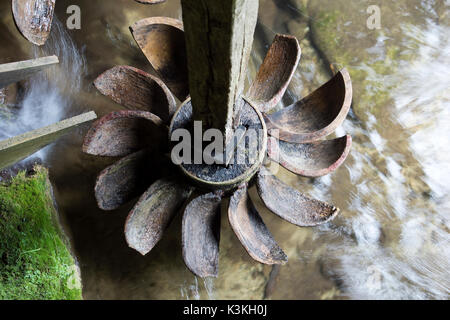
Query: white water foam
414, 262
48, 94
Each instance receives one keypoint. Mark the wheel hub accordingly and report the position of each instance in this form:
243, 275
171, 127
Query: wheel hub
247, 157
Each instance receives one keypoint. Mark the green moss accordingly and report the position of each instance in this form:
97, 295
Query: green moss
35, 262
324, 27
339, 31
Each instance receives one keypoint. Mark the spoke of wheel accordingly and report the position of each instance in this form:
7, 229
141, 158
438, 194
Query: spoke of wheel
317, 115
162, 41
201, 235
128, 178
121, 133
251, 230
275, 73
310, 159
153, 213
290, 204
137, 90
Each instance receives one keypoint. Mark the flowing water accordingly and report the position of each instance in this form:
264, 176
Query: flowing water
48, 95
391, 239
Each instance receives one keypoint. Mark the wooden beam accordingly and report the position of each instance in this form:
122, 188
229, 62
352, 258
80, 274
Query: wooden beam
20, 147
219, 38
17, 71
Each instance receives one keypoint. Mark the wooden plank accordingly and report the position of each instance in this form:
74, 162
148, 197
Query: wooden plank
20, 147
17, 71
219, 38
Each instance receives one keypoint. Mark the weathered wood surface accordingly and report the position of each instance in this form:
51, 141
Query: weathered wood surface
34, 19
251, 230
150, 1
128, 178
162, 41
137, 90
18, 148
315, 116
153, 214
310, 159
219, 37
17, 71
121, 133
275, 73
290, 204
201, 235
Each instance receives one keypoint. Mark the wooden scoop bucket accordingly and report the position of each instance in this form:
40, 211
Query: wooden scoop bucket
34, 19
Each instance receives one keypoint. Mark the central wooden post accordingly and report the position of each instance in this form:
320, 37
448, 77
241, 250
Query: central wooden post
219, 37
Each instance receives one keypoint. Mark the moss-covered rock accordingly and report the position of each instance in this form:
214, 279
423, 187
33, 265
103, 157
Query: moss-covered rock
35, 260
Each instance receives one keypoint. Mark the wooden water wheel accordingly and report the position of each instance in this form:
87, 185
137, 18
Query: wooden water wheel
202, 61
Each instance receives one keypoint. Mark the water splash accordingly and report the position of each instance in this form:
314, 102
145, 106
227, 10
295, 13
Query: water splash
399, 244
191, 291
48, 95
209, 287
